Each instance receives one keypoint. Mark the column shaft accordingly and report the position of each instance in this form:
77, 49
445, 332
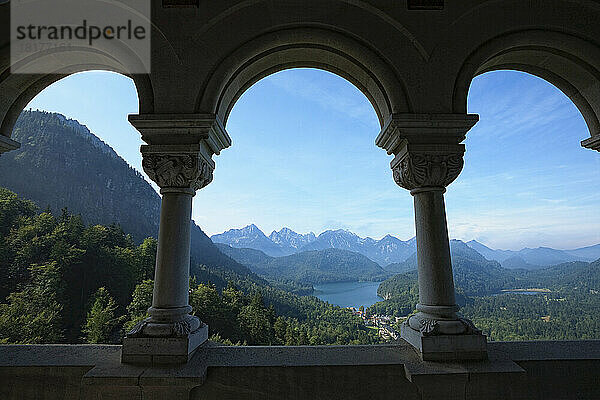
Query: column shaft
171, 281
436, 284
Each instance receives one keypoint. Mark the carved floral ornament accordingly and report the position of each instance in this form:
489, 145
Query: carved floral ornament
417, 170
176, 329
178, 170
432, 327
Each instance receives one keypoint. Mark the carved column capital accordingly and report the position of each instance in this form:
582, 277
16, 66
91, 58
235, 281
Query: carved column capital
178, 156
427, 148
177, 166
414, 169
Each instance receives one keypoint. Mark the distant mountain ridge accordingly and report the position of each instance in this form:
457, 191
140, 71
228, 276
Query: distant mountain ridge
476, 276
249, 237
473, 273
540, 257
309, 267
589, 252
386, 251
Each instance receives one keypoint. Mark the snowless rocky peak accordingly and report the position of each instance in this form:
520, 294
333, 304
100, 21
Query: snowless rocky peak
288, 238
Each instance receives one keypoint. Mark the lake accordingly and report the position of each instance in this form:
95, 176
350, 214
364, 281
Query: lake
348, 294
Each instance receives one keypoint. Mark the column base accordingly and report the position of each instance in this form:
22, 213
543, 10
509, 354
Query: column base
162, 350
461, 347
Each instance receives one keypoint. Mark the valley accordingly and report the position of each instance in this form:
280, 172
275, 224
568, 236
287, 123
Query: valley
69, 243
532, 302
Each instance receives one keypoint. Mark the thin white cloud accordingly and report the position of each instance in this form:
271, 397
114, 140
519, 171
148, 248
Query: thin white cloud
330, 97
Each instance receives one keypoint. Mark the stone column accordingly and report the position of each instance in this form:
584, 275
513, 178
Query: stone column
171, 276
171, 333
428, 157
436, 284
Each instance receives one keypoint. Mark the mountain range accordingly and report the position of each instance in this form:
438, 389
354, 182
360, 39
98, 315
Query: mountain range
285, 242
474, 275
389, 252
539, 257
289, 241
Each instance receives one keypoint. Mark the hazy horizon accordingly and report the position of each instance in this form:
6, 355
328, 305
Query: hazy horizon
267, 233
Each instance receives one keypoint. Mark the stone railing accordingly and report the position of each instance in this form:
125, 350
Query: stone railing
514, 370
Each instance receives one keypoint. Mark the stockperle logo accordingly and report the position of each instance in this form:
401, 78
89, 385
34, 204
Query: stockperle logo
53, 36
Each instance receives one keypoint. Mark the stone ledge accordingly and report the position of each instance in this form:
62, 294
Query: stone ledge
56, 355
548, 350
436, 347
157, 350
514, 370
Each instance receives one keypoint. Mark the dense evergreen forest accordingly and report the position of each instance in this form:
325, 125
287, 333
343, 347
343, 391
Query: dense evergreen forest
309, 267
568, 308
62, 281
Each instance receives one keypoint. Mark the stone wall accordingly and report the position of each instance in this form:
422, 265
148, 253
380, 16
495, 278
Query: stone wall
515, 370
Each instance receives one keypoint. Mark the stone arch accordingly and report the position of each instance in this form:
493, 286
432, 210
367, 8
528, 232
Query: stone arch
568, 62
359, 4
304, 47
19, 89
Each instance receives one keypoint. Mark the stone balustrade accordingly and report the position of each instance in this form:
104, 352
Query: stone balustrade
514, 370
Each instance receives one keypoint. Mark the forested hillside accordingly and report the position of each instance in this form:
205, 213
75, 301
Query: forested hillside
309, 267
563, 301
473, 274
62, 164
62, 281
51, 266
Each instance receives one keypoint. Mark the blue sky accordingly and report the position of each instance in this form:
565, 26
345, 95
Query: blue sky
303, 156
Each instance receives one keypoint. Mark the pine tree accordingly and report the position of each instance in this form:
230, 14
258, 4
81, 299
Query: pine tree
101, 320
280, 328
141, 300
33, 315
256, 322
